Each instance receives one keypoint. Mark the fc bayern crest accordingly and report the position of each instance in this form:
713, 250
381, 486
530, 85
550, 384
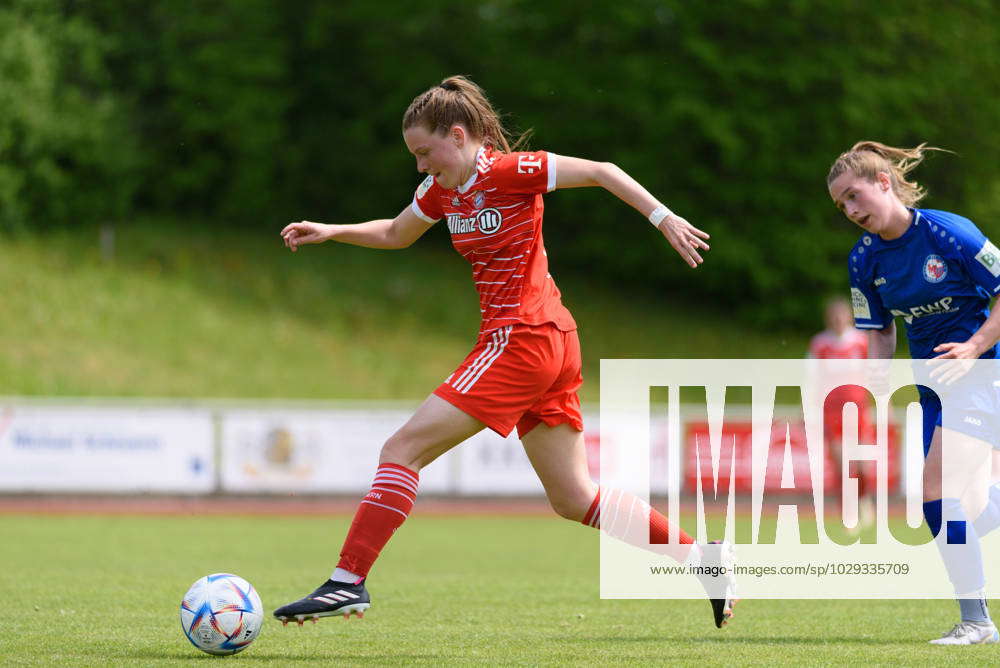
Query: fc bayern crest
935, 269
479, 199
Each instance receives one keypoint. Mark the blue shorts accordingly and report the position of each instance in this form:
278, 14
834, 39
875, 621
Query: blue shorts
975, 413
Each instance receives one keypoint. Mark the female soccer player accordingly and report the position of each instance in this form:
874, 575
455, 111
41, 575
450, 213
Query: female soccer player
938, 272
524, 370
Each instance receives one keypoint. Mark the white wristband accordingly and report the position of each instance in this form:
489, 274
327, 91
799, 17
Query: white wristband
658, 214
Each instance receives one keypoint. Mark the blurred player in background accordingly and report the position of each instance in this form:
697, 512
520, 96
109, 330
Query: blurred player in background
841, 340
524, 371
938, 272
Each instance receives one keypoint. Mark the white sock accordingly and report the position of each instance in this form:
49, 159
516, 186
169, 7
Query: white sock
340, 575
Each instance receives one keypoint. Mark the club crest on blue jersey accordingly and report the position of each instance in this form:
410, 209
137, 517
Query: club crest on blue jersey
935, 269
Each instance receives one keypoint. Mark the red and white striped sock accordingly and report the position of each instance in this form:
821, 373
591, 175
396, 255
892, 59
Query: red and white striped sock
630, 519
381, 512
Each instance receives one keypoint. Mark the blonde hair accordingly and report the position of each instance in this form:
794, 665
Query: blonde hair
458, 100
868, 158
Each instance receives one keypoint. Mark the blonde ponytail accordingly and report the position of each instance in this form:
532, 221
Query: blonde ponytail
868, 158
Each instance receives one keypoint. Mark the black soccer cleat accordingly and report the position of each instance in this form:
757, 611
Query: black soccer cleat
330, 599
718, 560
722, 610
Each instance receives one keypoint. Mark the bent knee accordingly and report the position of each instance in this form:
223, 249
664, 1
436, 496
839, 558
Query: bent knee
572, 506
399, 449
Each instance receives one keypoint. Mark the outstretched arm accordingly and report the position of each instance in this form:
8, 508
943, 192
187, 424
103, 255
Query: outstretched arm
682, 235
399, 232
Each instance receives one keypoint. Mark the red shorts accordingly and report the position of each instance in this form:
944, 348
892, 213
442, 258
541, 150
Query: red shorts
833, 419
519, 376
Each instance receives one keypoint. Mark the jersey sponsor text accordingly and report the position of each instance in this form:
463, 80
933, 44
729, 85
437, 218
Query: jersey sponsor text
860, 304
487, 221
942, 305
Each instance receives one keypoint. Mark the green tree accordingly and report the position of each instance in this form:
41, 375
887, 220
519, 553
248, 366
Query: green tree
64, 150
255, 112
207, 88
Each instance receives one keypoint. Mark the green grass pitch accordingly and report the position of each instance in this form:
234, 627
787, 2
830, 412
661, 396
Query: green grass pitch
105, 590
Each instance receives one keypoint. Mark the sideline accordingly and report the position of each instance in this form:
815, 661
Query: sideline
254, 505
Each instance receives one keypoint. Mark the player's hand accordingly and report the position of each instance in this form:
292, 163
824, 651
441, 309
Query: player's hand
684, 237
304, 232
955, 360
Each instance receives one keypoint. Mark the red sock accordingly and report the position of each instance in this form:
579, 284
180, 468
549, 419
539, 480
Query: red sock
381, 512
626, 517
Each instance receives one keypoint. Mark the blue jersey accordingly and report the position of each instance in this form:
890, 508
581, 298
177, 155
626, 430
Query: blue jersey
939, 277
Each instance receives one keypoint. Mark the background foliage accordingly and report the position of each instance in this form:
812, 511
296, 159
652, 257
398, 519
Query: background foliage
249, 113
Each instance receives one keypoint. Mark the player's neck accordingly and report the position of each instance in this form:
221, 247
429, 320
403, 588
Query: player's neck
899, 222
470, 163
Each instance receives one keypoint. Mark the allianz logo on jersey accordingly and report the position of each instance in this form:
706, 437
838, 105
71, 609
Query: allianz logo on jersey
942, 305
487, 221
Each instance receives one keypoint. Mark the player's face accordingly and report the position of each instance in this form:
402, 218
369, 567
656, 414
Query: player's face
868, 204
839, 316
445, 156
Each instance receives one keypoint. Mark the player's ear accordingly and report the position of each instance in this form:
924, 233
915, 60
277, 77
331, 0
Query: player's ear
884, 181
458, 135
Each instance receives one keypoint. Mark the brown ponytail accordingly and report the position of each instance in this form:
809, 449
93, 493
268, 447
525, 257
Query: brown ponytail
457, 100
868, 158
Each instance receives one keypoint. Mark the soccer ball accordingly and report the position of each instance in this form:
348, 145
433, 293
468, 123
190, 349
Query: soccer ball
221, 614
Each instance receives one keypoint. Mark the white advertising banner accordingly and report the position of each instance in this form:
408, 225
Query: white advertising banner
490, 464
336, 451
120, 447
105, 449
312, 451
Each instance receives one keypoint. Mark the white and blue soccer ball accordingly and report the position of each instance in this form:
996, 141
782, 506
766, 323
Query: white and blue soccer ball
221, 614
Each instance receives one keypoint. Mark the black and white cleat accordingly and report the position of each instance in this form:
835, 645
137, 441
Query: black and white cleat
330, 599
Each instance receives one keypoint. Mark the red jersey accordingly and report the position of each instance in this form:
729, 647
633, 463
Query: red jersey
495, 220
828, 345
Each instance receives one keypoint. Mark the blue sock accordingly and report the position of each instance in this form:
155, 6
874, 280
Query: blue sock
958, 545
989, 519
973, 610
932, 513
